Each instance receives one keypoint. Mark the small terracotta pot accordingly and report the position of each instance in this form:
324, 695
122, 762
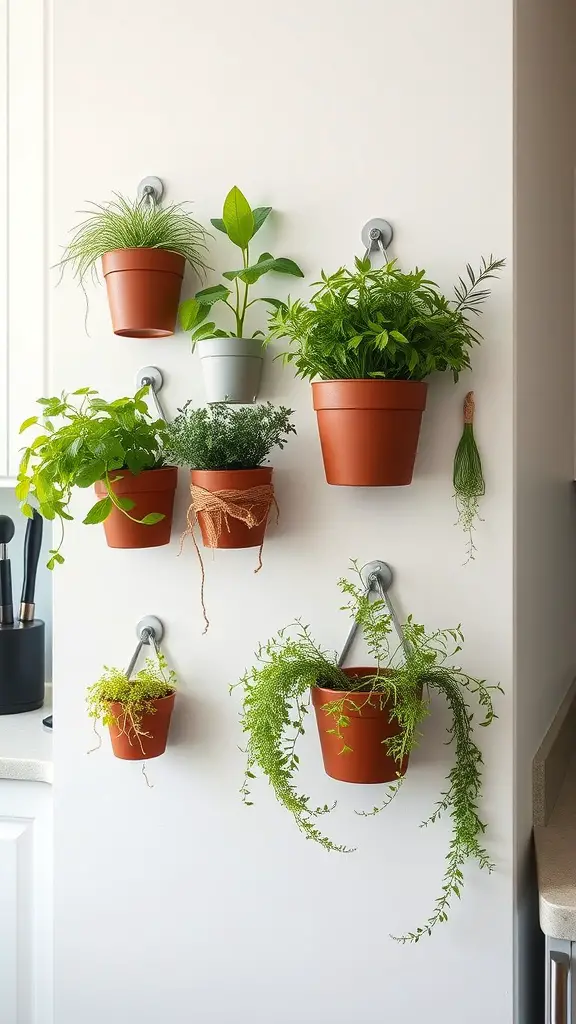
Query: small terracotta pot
130, 746
152, 490
143, 288
233, 533
370, 725
369, 430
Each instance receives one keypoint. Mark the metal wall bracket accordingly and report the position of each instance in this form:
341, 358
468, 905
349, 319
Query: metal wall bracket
377, 235
377, 577
151, 376
149, 630
151, 188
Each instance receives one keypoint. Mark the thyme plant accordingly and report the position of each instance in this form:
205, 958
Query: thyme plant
136, 695
220, 436
276, 700
383, 323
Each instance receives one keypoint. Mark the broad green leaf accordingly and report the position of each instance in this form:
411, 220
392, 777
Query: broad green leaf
126, 504
83, 391
28, 423
152, 518
399, 337
208, 296
219, 224
260, 214
231, 274
354, 342
22, 489
88, 475
277, 303
28, 511
99, 512
286, 266
205, 331
238, 218
188, 313
266, 263
47, 510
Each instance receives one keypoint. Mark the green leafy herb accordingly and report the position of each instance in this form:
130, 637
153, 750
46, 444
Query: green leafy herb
468, 477
154, 681
220, 436
382, 323
93, 440
276, 700
240, 223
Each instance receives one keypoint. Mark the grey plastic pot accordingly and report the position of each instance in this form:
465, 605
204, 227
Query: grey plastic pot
232, 369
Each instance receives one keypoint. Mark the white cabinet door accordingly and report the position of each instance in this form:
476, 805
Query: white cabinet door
23, 257
25, 903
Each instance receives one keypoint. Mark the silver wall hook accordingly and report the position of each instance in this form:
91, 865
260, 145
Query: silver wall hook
377, 577
151, 376
377, 235
151, 189
149, 630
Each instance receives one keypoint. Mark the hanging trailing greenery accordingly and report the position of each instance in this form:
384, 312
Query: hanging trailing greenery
468, 478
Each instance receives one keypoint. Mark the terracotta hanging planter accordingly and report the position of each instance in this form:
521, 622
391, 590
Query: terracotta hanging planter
368, 761
143, 288
153, 490
151, 737
235, 512
369, 430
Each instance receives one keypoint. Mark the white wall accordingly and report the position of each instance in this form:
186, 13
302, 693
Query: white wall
178, 903
545, 520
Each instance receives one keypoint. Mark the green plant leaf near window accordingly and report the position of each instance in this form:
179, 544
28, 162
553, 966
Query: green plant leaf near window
383, 323
240, 223
276, 700
84, 439
221, 436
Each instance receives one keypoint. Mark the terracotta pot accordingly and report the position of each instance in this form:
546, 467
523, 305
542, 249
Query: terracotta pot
143, 288
370, 726
130, 746
152, 490
232, 533
369, 430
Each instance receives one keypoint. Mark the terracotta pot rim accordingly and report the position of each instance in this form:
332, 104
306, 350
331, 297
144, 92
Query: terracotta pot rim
237, 472
151, 700
145, 257
138, 482
368, 380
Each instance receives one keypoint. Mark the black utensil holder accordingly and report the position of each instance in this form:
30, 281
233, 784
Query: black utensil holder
22, 667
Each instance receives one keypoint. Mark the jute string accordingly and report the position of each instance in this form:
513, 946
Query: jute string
251, 507
469, 407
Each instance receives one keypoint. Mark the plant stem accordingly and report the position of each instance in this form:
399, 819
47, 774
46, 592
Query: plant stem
115, 502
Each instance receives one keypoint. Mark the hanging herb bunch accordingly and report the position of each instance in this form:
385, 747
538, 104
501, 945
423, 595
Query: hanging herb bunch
468, 478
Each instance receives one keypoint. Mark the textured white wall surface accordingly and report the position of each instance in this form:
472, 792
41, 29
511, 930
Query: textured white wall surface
177, 903
545, 519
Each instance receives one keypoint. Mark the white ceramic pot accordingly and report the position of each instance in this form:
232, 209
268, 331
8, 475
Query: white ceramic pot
232, 369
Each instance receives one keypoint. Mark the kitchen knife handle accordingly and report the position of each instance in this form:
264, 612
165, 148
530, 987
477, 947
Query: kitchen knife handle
6, 610
32, 545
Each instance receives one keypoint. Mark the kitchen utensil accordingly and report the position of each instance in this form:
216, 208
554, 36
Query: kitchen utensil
6, 608
32, 545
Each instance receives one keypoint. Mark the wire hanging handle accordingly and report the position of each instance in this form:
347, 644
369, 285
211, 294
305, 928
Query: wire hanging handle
377, 234
150, 191
149, 631
376, 576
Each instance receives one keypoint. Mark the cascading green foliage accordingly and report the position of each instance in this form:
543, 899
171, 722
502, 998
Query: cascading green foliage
468, 477
220, 436
153, 681
123, 223
240, 223
383, 323
92, 440
276, 700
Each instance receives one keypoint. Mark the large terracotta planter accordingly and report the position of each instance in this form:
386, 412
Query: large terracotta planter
152, 737
369, 430
152, 490
143, 288
226, 530
370, 725
232, 369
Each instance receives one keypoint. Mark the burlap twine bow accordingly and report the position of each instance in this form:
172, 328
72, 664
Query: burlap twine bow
251, 507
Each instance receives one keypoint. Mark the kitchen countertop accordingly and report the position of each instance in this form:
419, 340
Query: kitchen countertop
555, 823
26, 746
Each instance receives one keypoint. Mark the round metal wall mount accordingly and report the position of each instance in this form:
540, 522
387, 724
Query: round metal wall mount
151, 376
371, 240
154, 183
153, 623
377, 569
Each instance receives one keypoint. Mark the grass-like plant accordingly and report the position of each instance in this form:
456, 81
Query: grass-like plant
383, 323
276, 700
153, 681
124, 223
468, 477
93, 440
220, 436
240, 223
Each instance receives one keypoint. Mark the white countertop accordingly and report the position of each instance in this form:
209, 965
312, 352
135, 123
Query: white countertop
556, 858
26, 746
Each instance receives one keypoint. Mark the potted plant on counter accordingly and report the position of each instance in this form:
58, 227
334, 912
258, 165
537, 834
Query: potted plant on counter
369, 721
231, 362
137, 711
144, 249
117, 448
372, 337
231, 489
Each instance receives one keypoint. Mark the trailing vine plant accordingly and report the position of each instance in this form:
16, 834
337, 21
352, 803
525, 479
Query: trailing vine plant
276, 701
136, 695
